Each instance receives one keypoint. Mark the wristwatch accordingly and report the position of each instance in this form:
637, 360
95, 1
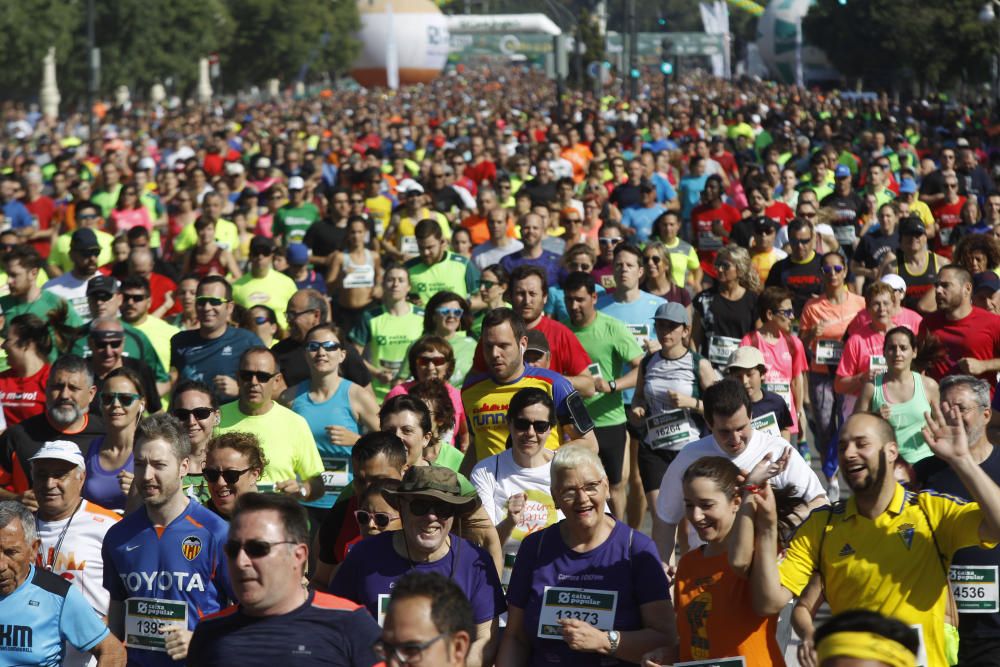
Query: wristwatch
613, 386
613, 638
304, 491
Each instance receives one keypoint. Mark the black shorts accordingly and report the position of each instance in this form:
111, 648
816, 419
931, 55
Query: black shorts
611, 449
979, 651
653, 464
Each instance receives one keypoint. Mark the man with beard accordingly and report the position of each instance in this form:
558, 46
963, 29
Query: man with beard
979, 627
163, 563
68, 394
84, 251
885, 549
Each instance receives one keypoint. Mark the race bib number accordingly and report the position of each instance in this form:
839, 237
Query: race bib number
364, 277
975, 589
594, 607
148, 619
845, 234
383, 607
877, 363
640, 332
709, 241
829, 352
408, 245
265, 488
336, 473
783, 389
81, 306
668, 430
720, 348
608, 281
296, 235
595, 370
739, 661
393, 366
944, 234
767, 424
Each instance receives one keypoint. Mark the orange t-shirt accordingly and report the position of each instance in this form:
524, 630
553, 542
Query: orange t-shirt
715, 617
579, 156
480, 232
838, 318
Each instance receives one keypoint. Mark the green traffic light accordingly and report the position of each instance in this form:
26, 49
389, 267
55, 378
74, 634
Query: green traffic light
666, 68
634, 73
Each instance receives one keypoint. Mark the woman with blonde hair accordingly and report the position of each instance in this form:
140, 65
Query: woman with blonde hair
659, 275
726, 311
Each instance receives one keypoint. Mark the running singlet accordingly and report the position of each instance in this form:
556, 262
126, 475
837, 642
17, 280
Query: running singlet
917, 285
41, 616
180, 562
335, 411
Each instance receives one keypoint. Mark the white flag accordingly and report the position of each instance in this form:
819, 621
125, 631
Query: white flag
391, 51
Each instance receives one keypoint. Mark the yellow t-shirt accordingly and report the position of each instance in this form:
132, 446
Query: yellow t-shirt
159, 334
227, 235
274, 290
284, 436
890, 564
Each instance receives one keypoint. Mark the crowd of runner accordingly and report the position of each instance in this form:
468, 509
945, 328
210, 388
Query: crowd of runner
402, 377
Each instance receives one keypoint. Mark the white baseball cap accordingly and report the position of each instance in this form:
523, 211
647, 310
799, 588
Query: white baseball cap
296, 183
894, 281
63, 450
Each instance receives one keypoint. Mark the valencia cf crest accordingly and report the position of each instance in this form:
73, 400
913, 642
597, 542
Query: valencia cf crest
905, 533
191, 547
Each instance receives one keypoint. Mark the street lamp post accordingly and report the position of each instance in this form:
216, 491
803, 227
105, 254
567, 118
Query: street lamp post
989, 15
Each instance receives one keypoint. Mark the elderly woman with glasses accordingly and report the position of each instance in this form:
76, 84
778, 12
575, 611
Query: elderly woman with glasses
335, 408
430, 504
432, 357
587, 590
109, 457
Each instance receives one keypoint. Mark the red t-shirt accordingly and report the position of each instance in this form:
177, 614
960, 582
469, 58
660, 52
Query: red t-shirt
43, 209
947, 217
567, 355
159, 285
484, 171
705, 241
780, 211
977, 335
22, 397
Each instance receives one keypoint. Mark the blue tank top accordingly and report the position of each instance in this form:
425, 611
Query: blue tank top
335, 411
101, 486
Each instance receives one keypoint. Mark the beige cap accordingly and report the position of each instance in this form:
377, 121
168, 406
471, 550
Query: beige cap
746, 356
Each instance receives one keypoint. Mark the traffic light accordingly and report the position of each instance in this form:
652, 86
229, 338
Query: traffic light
666, 57
634, 73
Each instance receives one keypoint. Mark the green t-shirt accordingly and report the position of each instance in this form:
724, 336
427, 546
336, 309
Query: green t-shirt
284, 436
464, 349
41, 307
137, 346
227, 235
107, 200
387, 337
449, 457
454, 273
611, 346
273, 290
292, 223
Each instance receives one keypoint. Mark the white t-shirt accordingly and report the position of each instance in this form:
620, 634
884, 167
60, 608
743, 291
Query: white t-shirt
74, 291
487, 254
798, 474
79, 560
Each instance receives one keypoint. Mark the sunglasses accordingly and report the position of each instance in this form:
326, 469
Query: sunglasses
7, 247
655, 259
90, 252
382, 519
801, 241
259, 376
114, 343
262, 252
133, 298
523, 424
262, 319
87, 216
357, 201
423, 507
293, 314
450, 312
253, 548
108, 399
101, 296
723, 266
201, 414
431, 361
327, 345
213, 301
787, 312
487, 284
836, 268
212, 475
613, 240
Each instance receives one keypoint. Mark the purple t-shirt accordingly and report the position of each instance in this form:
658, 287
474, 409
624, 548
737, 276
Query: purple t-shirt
101, 486
627, 563
548, 261
372, 567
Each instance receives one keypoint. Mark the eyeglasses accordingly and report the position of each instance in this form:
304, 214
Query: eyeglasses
253, 548
423, 507
326, 345
611, 240
487, 284
655, 259
201, 414
213, 301
836, 268
523, 424
259, 376
212, 475
807, 241
113, 343
591, 489
108, 399
382, 519
133, 298
450, 312
409, 653
432, 361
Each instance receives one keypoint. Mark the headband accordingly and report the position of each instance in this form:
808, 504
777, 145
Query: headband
865, 645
